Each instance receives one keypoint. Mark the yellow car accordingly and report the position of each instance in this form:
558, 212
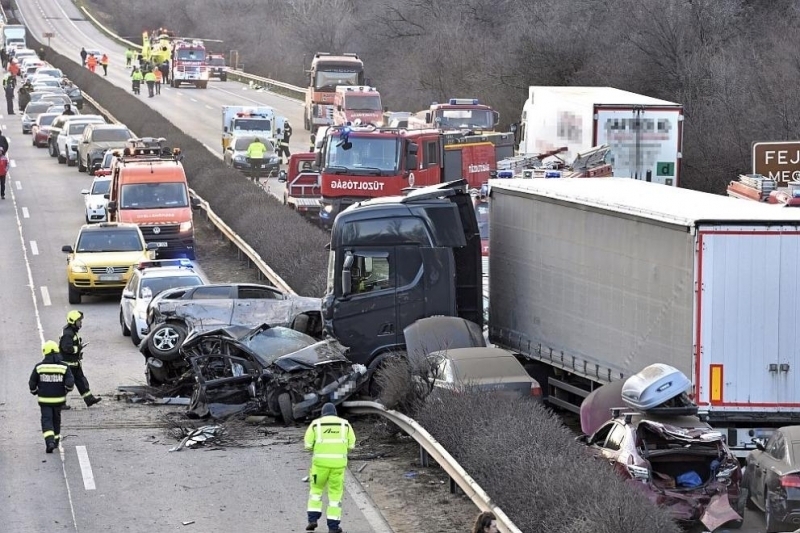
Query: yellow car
103, 258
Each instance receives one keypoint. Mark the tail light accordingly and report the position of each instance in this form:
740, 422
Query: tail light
536, 390
790, 481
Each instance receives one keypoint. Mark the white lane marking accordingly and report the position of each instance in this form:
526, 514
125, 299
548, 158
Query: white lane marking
209, 107
193, 99
11, 162
86, 468
18, 184
25, 213
45, 296
367, 507
179, 93
34, 248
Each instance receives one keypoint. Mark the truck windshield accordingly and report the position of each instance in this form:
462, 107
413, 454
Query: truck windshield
154, 196
216, 61
464, 118
329, 79
252, 124
369, 154
355, 102
190, 55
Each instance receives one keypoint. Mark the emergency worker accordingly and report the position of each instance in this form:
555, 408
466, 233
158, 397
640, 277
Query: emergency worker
256, 152
71, 348
159, 79
91, 62
164, 68
104, 64
329, 438
68, 110
8, 88
128, 57
150, 79
283, 143
136, 79
51, 380
84, 54
24, 94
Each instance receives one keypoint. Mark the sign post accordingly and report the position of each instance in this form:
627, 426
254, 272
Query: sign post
48, 35
779, 160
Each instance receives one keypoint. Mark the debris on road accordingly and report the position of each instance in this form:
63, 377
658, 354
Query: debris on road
200, 437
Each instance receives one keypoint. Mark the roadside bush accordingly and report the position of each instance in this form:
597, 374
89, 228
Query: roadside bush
521, 454
405, 382
289, 244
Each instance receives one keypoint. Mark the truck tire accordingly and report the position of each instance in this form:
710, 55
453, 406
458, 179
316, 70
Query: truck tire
165, 340
285, 405
73, 294
126, 332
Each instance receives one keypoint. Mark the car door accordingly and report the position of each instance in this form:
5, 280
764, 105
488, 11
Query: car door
216, 302
764, 462
261, 305
129, 295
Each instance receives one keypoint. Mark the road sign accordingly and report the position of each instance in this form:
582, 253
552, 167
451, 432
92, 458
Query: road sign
779, 160
48, 35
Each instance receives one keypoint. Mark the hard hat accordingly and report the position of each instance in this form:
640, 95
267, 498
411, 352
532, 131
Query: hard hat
328, 409
49, 347
73, 316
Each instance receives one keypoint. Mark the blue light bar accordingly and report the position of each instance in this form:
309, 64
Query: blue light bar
164, 263
505, 174
552, 174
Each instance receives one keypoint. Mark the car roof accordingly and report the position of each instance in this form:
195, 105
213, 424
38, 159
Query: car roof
168, 271
107, 126
683, 421
109, 225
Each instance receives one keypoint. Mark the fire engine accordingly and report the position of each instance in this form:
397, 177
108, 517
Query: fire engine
763, 189
302, 185
328, 72
357, 103
457, 113
358, 163
189, 64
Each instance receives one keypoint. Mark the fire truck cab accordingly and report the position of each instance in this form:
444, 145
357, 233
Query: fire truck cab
357, 104
189, 64
460, 114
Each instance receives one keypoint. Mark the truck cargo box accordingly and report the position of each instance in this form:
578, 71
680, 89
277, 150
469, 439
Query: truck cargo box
601, 278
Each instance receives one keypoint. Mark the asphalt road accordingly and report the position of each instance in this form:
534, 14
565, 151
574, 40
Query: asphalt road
198, 112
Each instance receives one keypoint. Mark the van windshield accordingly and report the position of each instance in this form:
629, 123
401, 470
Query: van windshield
154, 196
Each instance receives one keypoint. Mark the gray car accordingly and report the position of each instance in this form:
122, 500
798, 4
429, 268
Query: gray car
96, 139
33, 110
236, 155
69, 136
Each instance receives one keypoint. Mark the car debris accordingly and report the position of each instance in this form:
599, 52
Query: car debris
275, 371
675, 459
200, 437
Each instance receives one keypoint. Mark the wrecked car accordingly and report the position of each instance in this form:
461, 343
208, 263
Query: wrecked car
172, 313
678, 461
270, 370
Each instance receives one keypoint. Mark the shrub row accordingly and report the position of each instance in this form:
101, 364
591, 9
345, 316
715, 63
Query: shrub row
287, 242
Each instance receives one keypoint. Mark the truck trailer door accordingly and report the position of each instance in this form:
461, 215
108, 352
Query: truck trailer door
747, 305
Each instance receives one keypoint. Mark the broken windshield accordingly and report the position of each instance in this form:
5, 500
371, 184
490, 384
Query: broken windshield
370, 154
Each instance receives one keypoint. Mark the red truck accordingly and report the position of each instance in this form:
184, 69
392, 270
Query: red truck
302, 192
359, 163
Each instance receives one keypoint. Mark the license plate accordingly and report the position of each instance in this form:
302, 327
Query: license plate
161, 244
110, 277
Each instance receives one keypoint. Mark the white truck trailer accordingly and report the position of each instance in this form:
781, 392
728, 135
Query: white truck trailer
594, 279
645, 134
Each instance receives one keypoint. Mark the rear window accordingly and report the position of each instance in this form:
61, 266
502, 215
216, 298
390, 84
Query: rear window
77, 129
216, 62
101, 187
46, 120
488, 368
38, 107
111, 135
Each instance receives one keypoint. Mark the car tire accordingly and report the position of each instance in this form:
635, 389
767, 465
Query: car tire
81, 168
73, 294
126, 331
772, 524
61, 160
165, 340
70, 162
285, 405
135, 338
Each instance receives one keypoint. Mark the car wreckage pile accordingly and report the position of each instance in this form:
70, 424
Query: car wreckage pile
240, 355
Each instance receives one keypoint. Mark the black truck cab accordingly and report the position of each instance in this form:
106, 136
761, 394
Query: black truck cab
397, 259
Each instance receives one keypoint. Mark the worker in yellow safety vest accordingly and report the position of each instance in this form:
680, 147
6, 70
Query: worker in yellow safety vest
150, 80
329, 438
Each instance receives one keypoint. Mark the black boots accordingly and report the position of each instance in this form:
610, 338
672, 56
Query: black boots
311, 526
51, 445
91, 400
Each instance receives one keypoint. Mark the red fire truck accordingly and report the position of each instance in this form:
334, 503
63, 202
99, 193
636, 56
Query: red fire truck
358, 163
188, 64
302, 185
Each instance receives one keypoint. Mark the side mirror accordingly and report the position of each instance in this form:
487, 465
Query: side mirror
427, 118
496, 117
195, 203
84, 191
347, 277
282, 176
112, 205
127, 294
67, 249
318, 159
313, 138
106, 196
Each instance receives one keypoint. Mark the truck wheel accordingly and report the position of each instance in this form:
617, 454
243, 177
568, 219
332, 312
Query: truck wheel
126, 332
73, 294
285, 404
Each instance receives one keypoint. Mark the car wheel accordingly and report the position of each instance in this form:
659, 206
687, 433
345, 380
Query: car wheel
61, 160
285, 405
773, 525
51, 148
165, 340
135, 338
81, 168
73, 294
126, 332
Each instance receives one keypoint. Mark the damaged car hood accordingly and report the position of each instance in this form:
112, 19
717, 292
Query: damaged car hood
701, 434
247, 311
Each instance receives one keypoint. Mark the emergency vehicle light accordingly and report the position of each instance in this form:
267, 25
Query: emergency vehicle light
505, 174
464, 101
164, 263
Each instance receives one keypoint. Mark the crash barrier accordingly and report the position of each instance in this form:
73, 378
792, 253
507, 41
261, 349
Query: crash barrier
440, 455
236, 75
244, 248
293, 248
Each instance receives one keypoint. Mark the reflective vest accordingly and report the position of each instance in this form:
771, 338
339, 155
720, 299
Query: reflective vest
51, 380
256, 150
137, 75
128, 54
70, 346
330, 438
104, 60
149, 77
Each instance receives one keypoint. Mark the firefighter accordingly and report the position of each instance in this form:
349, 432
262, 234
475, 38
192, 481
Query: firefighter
164, 68
71, 348
329, 438
283, 143
51, 380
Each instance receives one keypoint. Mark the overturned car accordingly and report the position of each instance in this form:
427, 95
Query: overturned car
271, 370
662, 447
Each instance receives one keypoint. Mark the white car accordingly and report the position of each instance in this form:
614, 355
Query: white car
149, 279
71, 131
95, 199
49, 70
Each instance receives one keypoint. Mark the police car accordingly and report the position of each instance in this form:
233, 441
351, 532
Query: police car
150, 278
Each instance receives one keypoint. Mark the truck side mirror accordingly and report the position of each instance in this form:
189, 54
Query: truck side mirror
318, 159
427, 118
67, 249
347, 277
282, 176
496, 117
112, 205
195, 203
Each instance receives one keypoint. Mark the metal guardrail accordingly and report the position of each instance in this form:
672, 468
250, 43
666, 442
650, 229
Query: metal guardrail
220, 224
235, 75
441, 456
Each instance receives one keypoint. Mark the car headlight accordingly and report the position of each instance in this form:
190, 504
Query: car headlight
78, 268
273, 159
186, 226
328, 208
239, 158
